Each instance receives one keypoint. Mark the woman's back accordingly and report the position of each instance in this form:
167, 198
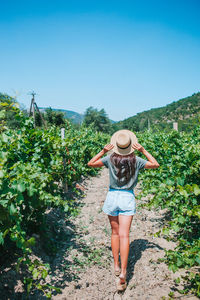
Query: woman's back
121, 182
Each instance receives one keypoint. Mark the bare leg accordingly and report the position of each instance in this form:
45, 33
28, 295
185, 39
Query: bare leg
114, 222
124, 227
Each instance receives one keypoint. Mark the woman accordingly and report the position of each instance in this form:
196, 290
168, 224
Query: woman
119, 205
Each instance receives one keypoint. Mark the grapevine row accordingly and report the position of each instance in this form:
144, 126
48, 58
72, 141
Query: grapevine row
175, 185
31, 177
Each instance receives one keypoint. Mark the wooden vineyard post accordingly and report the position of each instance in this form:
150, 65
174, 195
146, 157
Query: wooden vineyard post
175, 126
148, 124
65, 186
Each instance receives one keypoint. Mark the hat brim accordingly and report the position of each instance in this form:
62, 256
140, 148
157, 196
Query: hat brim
118, 150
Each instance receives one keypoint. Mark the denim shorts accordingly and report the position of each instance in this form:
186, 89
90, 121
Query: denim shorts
120, 202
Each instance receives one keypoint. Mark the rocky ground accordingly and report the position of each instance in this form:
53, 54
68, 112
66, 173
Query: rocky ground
83, 265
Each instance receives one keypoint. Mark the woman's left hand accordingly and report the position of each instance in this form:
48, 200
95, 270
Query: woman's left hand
137, 146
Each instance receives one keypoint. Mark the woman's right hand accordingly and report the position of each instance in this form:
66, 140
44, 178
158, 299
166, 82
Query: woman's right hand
108, 147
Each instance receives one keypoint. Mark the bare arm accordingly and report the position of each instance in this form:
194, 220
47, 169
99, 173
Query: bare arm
152, 162
95, 162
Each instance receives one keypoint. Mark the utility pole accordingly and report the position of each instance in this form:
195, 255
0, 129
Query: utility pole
33, 107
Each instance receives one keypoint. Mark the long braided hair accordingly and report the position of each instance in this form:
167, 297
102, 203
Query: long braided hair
125, 166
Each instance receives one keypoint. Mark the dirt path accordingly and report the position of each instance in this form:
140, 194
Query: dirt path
90, 257
82, 264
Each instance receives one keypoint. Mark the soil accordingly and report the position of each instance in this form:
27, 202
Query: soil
83, 265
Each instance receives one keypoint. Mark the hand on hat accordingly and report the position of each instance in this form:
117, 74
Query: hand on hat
137, 146
108, 147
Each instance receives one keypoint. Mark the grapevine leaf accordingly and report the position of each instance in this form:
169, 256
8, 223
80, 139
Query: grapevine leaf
12, 209
1, 238
196, 189
21, 187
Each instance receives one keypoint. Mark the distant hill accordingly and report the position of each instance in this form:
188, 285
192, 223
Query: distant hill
185, 111
68, 114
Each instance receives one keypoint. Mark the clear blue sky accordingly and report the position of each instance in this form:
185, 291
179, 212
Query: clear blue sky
123, 56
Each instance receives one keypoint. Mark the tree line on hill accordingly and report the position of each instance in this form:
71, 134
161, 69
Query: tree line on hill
9, 107
185, 112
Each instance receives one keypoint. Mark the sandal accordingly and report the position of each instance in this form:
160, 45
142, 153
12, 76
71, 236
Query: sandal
117, 272
121, 286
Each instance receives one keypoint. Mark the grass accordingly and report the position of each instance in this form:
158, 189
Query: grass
87, 258
91, 219
92, 239
107, 231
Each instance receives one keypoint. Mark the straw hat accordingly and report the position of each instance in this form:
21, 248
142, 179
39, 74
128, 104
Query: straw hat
122, 140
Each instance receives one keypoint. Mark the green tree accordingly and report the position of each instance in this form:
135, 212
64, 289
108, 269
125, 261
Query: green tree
38, 120
97, 118
9, 111
54, 117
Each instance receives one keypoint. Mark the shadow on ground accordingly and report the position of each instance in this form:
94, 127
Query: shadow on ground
137, 247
